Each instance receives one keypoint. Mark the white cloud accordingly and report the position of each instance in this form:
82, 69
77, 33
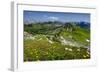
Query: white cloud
53, 18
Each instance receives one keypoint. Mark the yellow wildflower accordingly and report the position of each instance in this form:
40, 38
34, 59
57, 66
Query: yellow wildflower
84, 56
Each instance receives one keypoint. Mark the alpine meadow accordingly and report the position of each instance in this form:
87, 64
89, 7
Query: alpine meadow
50, 36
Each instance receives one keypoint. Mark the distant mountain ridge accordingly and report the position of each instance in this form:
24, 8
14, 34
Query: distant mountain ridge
81, 24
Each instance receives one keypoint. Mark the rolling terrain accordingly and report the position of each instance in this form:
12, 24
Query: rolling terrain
56, 41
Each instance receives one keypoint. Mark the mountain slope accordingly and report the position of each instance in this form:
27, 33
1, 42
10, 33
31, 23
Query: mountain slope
56, 41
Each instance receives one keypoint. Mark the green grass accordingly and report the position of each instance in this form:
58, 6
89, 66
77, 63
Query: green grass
40, 48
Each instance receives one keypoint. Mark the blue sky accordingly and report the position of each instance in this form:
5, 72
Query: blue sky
41, 16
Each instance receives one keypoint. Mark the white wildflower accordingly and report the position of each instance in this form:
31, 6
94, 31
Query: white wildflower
70, 49
87, 40
78, 49
88, 52
66, 48
84, 56
50, 41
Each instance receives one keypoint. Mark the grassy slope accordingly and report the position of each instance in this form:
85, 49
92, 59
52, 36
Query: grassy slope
41, 49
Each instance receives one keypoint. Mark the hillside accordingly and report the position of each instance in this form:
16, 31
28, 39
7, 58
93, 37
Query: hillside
56, 41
